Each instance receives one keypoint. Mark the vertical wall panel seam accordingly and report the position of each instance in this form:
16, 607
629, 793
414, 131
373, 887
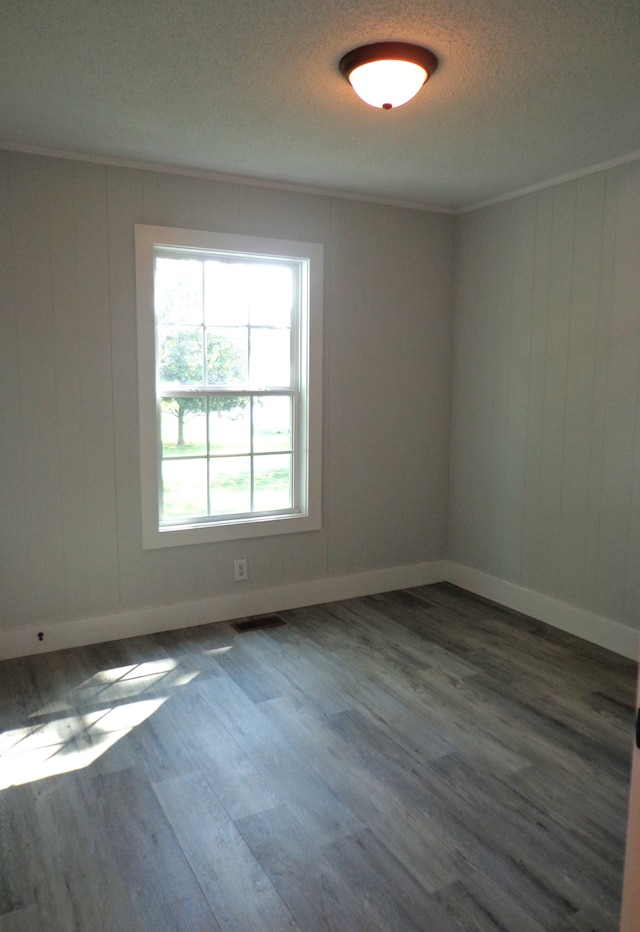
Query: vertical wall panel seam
105, 170
62, 541
83, 433
19, 370
629, 568
573, 515
605, 294
563, 459
594, 384
544, 427
634, 483
610, 293
504, 518
534, 265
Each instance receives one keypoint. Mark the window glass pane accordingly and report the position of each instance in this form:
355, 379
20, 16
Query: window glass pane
272, 424
183, 426
227, 356
229, 353
271, 295
272, 482
180, 356
178, 291
184, 485
270, 358
226, 296
229, 425
230, 485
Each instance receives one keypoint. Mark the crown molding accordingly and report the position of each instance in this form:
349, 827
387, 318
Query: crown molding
208, 175
551, 183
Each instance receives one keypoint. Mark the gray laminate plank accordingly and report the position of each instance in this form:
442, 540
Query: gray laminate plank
313, 803
298, 674
579, 796
413, 837
424, 728
18, 848
420, 696
76, 862
252, 675
400, 772
476, 904
241, 787
487, 635
33, 685
156, 748
22, 920
358, 676
165, 894
515, 883
591, 918
563, 726
310, 885
565, 860
234, 883
56, 854
386, 635
517, 633
375, 876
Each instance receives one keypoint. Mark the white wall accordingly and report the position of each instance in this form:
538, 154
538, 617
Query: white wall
545, 451
70, 538
544, 478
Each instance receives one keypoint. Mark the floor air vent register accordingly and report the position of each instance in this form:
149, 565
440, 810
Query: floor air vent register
259, 622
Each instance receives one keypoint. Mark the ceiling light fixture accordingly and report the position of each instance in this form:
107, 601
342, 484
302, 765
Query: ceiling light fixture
388, 74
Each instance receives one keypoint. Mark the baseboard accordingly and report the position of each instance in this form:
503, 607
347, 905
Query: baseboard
584, 624
21, 642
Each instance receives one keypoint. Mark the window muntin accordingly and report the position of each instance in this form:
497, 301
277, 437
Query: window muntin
236, 421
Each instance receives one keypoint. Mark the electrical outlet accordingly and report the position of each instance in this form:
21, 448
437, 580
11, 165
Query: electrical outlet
240, 570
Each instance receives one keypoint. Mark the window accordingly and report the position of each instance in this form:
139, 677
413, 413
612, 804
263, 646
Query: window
230, 358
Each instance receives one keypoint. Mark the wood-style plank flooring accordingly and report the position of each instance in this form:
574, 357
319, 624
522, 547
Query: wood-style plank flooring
418, 760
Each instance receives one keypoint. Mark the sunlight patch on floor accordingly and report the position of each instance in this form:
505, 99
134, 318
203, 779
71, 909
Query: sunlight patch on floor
73, 731
66, 744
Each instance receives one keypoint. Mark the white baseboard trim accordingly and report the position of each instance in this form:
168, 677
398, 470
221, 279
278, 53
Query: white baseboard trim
584, 624
21, 642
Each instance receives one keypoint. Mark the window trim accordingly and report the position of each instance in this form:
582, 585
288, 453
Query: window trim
154, 535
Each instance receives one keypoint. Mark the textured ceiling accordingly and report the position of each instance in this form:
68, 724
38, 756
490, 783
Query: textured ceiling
526, 91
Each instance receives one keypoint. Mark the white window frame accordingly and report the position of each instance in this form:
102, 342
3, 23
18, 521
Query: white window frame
307, 458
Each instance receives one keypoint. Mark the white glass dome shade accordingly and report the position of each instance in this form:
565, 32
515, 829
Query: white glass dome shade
388, 74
